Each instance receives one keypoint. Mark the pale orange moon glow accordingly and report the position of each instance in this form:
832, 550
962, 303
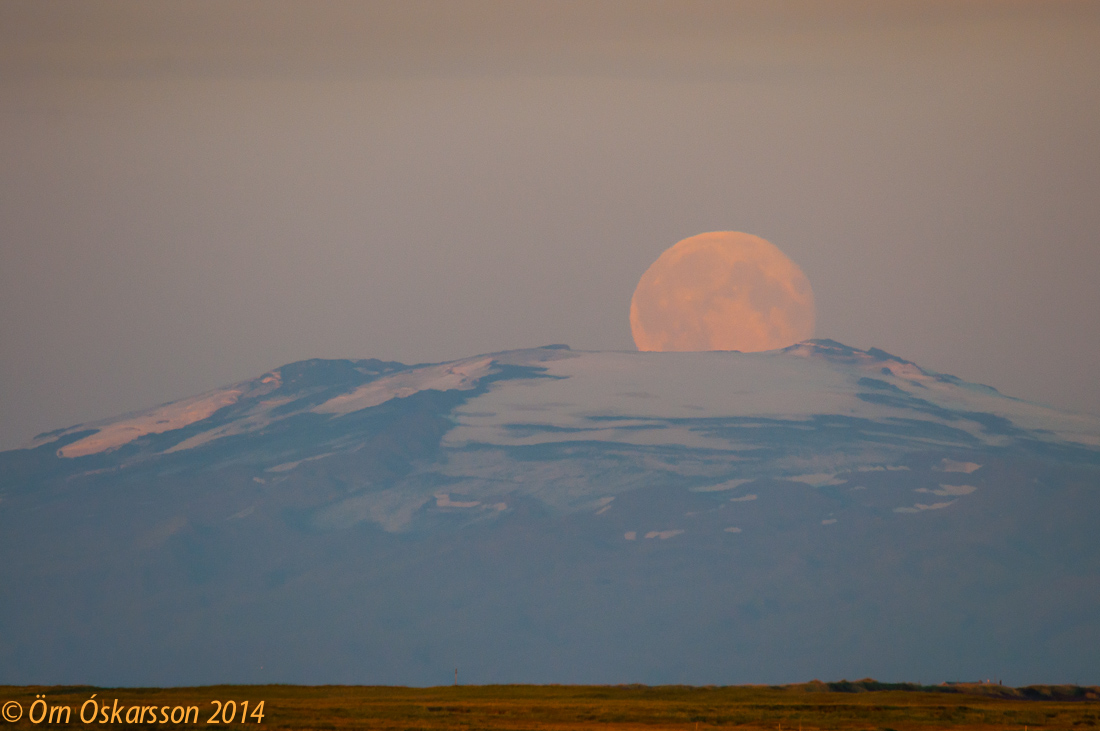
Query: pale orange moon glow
723, 290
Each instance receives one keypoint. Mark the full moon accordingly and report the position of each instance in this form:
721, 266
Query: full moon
723, 290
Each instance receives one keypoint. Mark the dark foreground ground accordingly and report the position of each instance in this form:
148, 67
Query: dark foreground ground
844, 705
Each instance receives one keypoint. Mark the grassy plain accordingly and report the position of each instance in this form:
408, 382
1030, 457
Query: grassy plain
863, 705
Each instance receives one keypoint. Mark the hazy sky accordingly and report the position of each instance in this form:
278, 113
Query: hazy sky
192, 193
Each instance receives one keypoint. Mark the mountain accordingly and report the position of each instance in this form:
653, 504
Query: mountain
549, 515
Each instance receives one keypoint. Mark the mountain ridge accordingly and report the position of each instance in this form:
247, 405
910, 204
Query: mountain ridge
202, 406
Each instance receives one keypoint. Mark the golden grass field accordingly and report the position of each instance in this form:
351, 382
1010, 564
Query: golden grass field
859, 705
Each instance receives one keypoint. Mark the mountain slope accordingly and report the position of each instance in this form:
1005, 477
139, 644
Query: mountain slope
549, 515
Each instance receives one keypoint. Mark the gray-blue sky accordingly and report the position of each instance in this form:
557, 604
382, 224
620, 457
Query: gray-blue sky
193, 193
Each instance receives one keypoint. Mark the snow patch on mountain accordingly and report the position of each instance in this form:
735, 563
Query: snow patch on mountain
920, 507
596, 396
949, 490
821, 479
950, 465
663, 535
722, 486
461, 375
165, 418
116, 432
443, 500
257, 417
